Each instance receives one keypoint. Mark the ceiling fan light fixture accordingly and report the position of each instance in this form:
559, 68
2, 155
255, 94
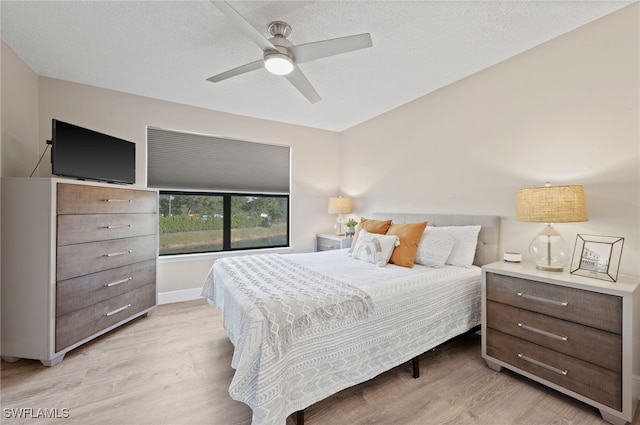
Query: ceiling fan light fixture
278, 63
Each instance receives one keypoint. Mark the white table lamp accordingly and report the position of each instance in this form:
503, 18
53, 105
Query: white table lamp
339, 206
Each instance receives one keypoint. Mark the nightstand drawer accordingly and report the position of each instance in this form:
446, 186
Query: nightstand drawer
328, 242
589, 344
594, 382
593, 309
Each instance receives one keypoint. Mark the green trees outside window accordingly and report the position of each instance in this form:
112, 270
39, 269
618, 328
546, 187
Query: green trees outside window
208, 222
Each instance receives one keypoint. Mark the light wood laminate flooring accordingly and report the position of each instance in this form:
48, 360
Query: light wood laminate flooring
173, 367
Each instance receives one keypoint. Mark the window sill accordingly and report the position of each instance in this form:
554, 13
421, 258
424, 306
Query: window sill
181, 258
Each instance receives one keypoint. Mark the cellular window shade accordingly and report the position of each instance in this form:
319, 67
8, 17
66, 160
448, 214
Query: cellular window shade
177, 160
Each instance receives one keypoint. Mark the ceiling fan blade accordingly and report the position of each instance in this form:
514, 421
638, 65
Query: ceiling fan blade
299, 81
251, 66
322, 49
243, 25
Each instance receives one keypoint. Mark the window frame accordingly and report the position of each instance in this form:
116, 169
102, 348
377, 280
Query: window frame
226, 219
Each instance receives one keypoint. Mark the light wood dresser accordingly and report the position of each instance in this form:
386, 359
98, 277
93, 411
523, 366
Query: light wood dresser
578, 335
78, 259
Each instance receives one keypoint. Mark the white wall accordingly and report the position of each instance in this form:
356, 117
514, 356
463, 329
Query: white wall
566, 111
19, 150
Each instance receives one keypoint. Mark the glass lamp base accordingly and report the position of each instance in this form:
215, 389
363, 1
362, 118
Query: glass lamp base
339, 227
549, 251
550, 267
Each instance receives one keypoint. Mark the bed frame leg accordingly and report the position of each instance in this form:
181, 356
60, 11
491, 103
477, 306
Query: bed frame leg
416, 366
300, 417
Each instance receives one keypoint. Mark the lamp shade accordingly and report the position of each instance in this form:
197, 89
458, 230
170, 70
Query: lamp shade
340, 206
551, 204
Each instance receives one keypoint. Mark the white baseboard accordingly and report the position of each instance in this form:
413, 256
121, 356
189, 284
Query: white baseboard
179, 296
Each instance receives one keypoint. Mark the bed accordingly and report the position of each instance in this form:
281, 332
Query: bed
354, 320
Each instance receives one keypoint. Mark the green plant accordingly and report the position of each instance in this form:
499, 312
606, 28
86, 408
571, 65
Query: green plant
351, 223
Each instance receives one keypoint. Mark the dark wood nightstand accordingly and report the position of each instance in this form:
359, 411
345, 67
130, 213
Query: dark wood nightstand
575, 334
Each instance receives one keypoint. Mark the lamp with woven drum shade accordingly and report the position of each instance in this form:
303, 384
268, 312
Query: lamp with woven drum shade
339, 206
550, 204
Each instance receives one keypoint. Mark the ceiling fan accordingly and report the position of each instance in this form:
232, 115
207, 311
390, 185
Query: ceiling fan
281, 57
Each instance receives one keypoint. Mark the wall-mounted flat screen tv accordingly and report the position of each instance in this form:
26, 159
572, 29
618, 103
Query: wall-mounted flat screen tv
86, 154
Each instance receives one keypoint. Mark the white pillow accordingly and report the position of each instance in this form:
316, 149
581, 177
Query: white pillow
434, 248
464, 245
375, 248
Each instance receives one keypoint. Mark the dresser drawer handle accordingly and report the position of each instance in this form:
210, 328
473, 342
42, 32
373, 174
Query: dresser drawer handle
544, 365
117, 226
541, 332
118, 200
544, 300
118, 310
117, 282
115, 254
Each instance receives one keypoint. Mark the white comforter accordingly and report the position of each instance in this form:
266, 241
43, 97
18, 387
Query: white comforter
414, 310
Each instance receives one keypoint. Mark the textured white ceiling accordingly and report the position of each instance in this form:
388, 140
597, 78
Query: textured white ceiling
167, 49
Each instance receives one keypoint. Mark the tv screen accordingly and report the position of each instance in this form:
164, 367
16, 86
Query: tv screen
86, 154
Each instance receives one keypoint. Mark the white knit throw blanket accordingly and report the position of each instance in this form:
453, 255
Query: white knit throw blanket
292, 297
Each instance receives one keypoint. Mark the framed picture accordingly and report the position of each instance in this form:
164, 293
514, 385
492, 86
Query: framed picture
597, 256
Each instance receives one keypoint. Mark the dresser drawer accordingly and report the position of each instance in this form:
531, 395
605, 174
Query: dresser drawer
594, 382
593, 309
80, 324
74, 294
86, 258
589, 344
99, 227
80, 199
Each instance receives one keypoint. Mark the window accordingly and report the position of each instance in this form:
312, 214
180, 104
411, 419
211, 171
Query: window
190, 223
259, 221
218, 194
193, 222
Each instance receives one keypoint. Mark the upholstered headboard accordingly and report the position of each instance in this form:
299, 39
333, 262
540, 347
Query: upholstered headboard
488, 248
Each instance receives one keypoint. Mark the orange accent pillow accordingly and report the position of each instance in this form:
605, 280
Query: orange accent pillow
409, 234
372, 226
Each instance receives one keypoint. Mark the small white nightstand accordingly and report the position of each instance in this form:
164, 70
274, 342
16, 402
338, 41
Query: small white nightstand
328, 241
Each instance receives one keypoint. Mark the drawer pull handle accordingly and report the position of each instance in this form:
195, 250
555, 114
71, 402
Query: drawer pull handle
117, 282
544, 365
544, 300
541, 332
115, 254
118, 310
117, 226
118, 200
